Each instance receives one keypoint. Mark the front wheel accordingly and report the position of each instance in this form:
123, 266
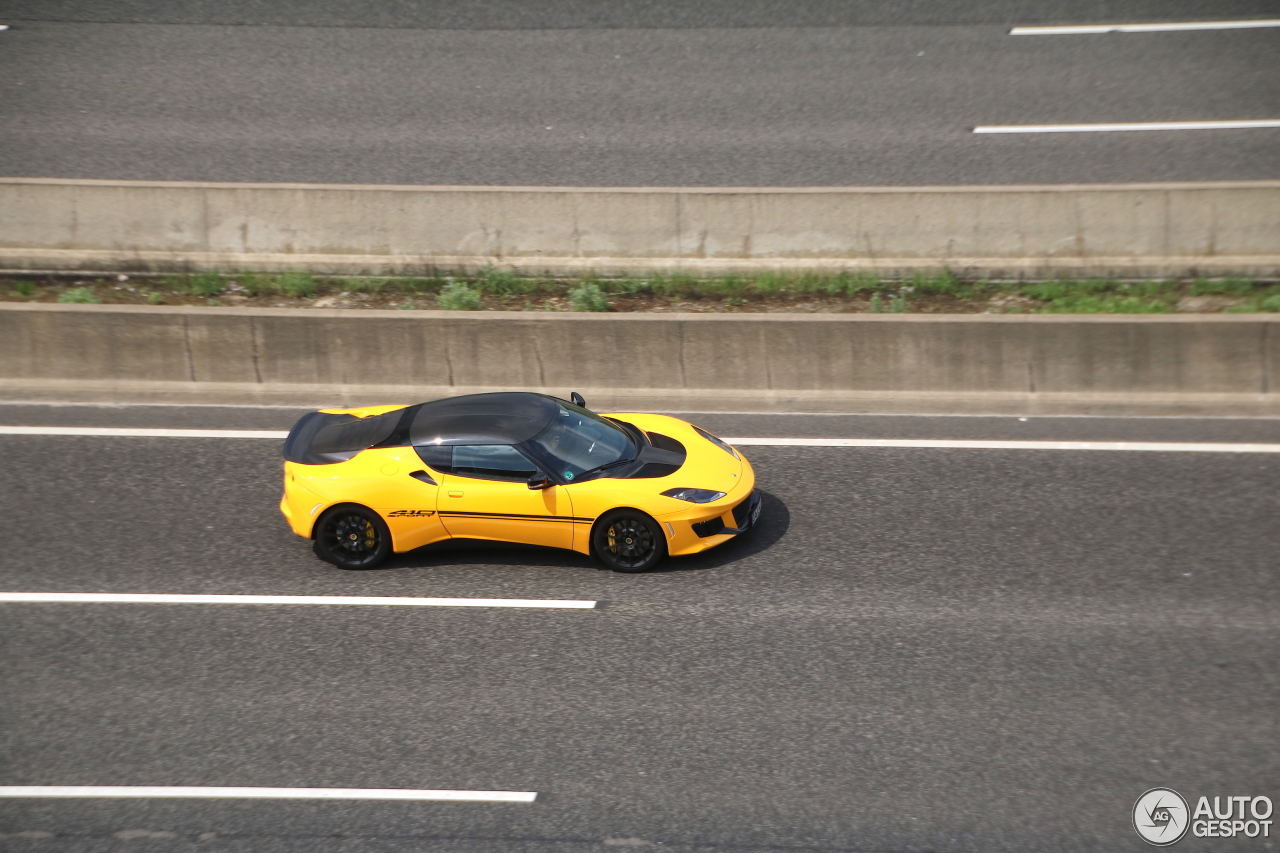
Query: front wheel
628, 541
352, 537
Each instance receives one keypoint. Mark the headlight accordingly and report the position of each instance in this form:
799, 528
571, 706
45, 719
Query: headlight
717, 442
694, 496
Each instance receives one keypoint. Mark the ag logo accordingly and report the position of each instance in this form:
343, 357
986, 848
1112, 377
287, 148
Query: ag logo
1160, 816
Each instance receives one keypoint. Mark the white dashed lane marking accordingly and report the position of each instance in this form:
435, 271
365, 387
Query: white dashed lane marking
1144, 125
1158, 446
126, 432
332, 600
1092, 29
143, 791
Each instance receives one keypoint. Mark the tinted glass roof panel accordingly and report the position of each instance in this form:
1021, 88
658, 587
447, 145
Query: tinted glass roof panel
500, 418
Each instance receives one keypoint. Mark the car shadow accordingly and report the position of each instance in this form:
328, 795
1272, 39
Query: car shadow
775, 518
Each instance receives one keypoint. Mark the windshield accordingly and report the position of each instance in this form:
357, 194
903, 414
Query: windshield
576, 441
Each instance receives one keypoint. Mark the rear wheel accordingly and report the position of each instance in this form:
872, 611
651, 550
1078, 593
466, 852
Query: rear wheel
626, 540
352, 537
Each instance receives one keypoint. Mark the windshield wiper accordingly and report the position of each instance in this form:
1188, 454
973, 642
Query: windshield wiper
605, 467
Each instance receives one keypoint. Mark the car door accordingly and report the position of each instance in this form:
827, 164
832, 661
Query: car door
485, 495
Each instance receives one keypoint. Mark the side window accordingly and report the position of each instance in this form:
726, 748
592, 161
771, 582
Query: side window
436, 456
491, 462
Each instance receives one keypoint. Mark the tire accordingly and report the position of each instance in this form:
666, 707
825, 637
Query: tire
627, 540
352, 537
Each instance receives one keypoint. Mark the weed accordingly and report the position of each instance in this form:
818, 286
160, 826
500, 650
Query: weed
300, 285
770, 283
26, 288
684, 283
257, 285
588, 297
899, 303
877, 303
1048, 291
493, 280
1163, 289
213, 303
628, 286
423, 285
1271, 303
712, 287
456, 296
80, 296
407, 305
205, 284
364, 285
944, 282
733, 301
154, 298
851, 284
1092, 304
1222, 286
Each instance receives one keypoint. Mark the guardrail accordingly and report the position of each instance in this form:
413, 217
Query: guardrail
1219, 364
994, 231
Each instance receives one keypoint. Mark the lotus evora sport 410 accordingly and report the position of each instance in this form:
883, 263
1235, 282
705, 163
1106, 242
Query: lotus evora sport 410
627, 489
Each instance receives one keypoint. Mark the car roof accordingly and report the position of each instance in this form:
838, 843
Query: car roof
496, 418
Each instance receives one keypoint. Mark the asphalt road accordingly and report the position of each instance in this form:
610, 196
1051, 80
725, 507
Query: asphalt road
945, 650
667, 93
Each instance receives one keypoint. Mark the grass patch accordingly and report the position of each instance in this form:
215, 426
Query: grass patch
456, 296
299, 285
1107, 304
505, 283
257, 285
588, 297
798, 290
206, 284
364, 285
79, 296
1221, 287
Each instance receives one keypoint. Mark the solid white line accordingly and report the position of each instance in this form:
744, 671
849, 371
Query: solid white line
1148, 125
1160, 446
116, 791
363, 601
1090, 29
145, 433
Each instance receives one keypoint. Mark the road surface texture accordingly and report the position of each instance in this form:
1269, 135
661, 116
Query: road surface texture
667, 93
917, 649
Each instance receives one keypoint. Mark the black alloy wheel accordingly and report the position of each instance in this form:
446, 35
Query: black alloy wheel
352, 537
628, 541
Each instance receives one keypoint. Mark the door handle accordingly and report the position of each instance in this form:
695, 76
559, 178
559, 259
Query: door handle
455, 494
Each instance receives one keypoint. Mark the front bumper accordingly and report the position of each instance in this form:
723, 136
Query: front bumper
745, 515
692, 534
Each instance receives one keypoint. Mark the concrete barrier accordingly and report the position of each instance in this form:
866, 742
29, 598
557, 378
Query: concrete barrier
1217, 364
1014, 231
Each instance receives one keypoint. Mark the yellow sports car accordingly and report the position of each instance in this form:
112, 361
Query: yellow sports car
627, 489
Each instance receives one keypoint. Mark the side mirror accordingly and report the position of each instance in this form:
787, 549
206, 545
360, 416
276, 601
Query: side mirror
576, 399
540, 481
